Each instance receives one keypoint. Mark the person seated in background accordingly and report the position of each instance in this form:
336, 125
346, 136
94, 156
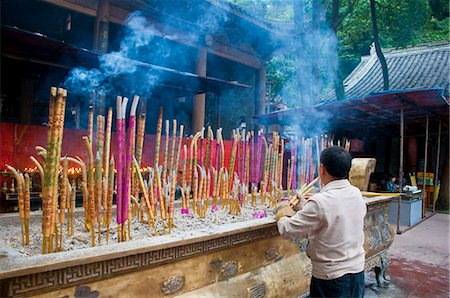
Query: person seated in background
391, 185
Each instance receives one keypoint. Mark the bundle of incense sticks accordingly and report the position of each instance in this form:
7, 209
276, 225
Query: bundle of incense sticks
305, 189
50, 184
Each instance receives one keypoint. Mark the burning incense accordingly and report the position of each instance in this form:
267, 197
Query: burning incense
280, 165
120, 148
71, 211
207, 161
106, 163
172, 184
302, 192
149, 206
162, 203
185, 203
289, 176
195, 191
62, 200
233, 158
98, 172
347, 145
56, 124
247, 162
91, 123
98, 193
193, 159
109, 197
26, 203
166, 151
158, 137
39, 167
91, 186
172, 152
180, 142
222, 148
20, 198
129, 165
84, 188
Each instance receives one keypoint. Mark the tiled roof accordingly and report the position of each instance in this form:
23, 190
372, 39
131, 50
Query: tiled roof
420, 67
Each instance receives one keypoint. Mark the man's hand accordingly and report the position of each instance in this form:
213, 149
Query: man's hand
283, 209
299, 201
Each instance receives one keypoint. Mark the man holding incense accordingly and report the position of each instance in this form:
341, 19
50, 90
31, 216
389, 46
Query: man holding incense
333, 221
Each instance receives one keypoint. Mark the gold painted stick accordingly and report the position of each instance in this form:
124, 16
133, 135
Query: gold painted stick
26, 204
110, 195
72, 210
84, 190
91, 186
20, 198
166, 151
172, 199
91, 123
99, 183
162, 205
62, 200
149, 206
158, 137
172, 152
39, 167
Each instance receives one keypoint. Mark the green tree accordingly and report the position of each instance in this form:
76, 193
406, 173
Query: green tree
402, 21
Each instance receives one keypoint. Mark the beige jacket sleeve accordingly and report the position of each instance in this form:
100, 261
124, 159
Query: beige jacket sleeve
304, 222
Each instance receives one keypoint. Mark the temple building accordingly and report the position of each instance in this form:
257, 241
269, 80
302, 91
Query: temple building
203, 61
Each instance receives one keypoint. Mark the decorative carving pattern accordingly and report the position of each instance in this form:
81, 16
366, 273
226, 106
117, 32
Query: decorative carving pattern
372, 262
172, 285
216, 264
229, 268
75, 275
257, 291
378, 233
271, 254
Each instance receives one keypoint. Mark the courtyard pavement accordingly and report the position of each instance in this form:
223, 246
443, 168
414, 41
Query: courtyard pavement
419, 261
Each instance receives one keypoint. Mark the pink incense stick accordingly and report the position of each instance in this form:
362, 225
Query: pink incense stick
119, 159
123, 156
258, 157
129, 156
252, 159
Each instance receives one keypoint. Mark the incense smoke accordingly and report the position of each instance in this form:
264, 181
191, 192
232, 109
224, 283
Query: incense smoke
314, 55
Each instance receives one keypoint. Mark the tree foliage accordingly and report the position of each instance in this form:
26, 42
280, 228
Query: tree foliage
402, 23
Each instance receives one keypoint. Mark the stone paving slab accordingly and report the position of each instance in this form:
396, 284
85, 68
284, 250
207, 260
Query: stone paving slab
419, 262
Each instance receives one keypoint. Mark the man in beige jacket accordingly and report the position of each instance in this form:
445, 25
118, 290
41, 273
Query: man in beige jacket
333, 221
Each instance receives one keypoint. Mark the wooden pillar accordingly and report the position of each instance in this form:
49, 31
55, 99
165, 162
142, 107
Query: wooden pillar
260, 90
101, 30
424, 205
198, 109
400, 182
436, 170
26, 100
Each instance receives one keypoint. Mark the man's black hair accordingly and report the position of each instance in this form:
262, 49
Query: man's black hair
337, 161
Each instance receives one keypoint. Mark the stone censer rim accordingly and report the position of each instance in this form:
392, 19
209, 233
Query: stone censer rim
13, 266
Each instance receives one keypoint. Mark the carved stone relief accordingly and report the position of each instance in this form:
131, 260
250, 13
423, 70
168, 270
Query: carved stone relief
172, 285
